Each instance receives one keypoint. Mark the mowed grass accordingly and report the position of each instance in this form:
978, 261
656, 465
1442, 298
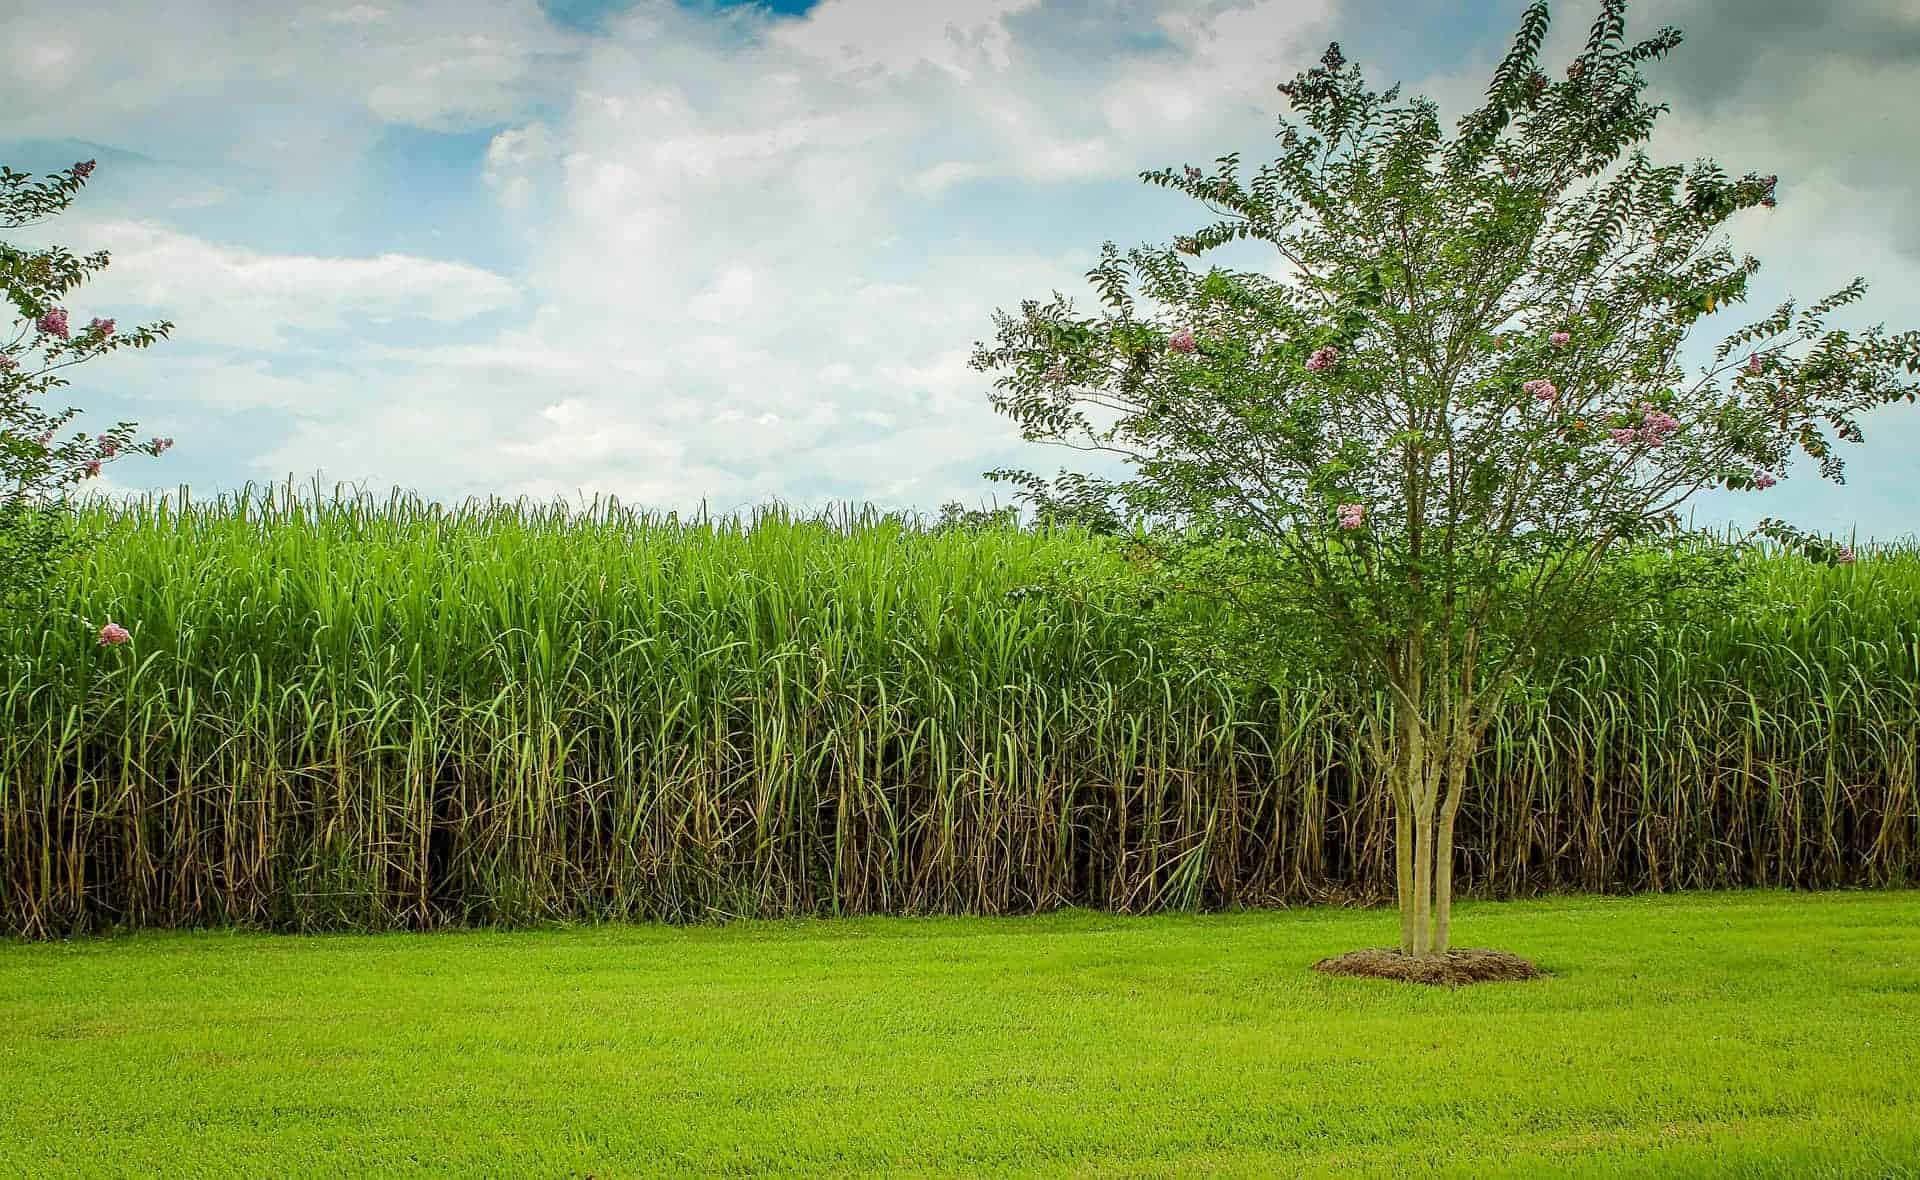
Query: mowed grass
1687, 1035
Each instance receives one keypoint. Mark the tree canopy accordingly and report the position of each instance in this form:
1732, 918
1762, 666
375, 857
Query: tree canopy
1436, 437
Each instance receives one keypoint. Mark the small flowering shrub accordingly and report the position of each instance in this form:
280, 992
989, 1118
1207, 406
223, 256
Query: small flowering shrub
37, 468
1430, 444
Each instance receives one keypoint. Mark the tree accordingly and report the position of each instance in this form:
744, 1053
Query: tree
36, 470
1439, 438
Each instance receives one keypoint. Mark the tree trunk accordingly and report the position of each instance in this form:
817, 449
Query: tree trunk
1423, 841
1443, 880
1461, 745
1423, 897
1403, 871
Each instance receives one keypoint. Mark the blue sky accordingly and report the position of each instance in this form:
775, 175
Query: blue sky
701, 251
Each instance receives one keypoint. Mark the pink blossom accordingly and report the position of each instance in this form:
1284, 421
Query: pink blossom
1658, 426
7, 362
113, 634
1625, 436
1763, 480
54, 323
104, 327
93, 467
1753, 364
1323, 358
161, 444
83, 169
46, 441
1845, 555
1542, 389
1560, 338
1351, 515
1768, 201
109, 446
1182, 341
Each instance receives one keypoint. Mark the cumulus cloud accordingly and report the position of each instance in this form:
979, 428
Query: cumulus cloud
758, 208
758, 249
252, 300
278, 84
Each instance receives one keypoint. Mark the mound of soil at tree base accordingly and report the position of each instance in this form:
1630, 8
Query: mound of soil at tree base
1447, 969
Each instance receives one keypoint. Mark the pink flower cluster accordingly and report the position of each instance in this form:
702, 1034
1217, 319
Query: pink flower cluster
160, 445
7, 362
1351, 515
113, 634
83, 169
1657, 425
1560, 339
1845, 556
1182, 341
1763, 480
104, 327
1542, 389
1753, 364
1323, 358
1655, 428
54, 323
109, 446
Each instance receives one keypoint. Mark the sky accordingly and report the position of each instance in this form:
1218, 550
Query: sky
701, 252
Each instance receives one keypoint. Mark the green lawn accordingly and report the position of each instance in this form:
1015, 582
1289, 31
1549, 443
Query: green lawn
1727, 1034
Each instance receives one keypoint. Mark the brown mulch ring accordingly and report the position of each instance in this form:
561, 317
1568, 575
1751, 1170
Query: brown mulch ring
1447, 969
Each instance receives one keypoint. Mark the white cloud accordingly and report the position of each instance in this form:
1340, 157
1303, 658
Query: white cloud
249, 299
732, 236
758, 250
194, 74
49, 58
513, 156
359, 14
929, 183
879, 40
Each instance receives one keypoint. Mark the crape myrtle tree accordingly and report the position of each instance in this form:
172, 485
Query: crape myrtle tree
37, 468
1444, 439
